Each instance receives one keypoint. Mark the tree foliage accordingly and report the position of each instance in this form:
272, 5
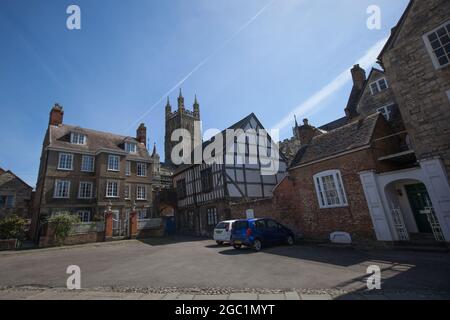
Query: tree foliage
12, 227
62, 224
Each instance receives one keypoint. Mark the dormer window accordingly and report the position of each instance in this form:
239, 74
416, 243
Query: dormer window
130, 147
378, 86
77, 138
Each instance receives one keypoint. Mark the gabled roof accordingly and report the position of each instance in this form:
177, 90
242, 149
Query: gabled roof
96, 141
352, 136
7, 176
249, 122
395, 30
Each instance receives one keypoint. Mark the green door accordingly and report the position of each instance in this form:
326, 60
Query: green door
419, 199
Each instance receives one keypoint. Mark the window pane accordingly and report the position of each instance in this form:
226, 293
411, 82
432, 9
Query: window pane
441, 32
432, 37
382, 83
443, 61
447, 49
435, 44
439, 52
330, 190
445, 39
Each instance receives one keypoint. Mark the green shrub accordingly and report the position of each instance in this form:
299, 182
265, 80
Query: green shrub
62, 224
12, 227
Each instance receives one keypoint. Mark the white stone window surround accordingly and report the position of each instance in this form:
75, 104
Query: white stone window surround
438, 45
113, 163
381, 85
141, 192
65, 161
78, 138
330, 189
130, 147
86, 190
87, 163
62, 189
112, 189
141, 169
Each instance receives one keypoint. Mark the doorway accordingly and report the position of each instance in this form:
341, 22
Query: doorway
419, 200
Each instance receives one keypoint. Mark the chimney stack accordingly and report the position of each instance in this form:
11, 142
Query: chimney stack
141, 134
56, 115
359, 76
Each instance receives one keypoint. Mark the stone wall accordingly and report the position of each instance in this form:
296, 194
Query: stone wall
420, 88
12, 186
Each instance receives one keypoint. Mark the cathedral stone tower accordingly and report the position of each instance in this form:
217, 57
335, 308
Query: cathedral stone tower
181, 119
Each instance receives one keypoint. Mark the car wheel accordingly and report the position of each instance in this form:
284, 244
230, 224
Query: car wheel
219, 243
237, 246
257, 245
290, 240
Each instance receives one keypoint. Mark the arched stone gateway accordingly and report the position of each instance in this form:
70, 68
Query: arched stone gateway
407, 203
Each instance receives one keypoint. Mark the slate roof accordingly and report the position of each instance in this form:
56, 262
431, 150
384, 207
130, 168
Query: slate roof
334, 124
351, 136
7, 176
96, 141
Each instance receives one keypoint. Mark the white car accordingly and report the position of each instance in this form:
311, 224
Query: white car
222, 232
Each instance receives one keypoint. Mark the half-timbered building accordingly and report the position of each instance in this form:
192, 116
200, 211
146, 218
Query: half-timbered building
206, 191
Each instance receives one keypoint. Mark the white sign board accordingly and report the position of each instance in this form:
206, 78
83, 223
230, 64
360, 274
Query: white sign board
250, 214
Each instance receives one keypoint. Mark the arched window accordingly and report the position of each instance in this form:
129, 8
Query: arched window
330, 189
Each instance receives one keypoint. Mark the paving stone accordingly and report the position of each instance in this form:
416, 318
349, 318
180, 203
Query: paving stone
133, 296
315, 296
292, 295
243, 296
211, 297
97, 295
279, 296
185, 297
171, 296
152, 296
17, 295
56, 295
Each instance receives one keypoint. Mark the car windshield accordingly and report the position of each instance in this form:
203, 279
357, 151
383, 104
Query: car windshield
239, 225
221, 225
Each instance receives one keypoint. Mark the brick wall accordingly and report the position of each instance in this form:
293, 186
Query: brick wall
295, 202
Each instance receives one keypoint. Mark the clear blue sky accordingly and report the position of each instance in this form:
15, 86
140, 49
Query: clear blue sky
129, 54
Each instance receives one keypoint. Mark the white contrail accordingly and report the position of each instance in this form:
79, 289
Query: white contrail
367, 60
203, 62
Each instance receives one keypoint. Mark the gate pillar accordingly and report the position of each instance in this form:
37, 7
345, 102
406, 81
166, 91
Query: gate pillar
108, 225
133, 224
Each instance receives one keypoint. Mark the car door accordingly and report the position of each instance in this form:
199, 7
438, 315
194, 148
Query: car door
273, 232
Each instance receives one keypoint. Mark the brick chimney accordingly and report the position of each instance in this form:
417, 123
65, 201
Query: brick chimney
359, 76
141, 134
56, 115
306, 132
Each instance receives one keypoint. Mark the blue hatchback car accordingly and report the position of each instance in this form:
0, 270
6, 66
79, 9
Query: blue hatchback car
256, 233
